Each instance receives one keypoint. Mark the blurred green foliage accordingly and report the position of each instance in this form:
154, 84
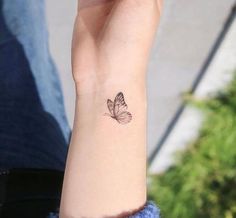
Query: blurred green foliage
203, 181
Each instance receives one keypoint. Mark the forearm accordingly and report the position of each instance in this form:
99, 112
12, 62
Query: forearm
106, 165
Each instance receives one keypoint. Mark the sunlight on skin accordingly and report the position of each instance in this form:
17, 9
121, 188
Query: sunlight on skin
106, 165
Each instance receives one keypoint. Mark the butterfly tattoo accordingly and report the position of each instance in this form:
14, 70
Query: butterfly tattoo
118, 109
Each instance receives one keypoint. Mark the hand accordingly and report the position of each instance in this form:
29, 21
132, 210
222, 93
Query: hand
111, 42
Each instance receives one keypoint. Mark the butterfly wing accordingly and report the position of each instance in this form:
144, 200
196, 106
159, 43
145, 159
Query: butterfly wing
110, 105
124, 117
119, 104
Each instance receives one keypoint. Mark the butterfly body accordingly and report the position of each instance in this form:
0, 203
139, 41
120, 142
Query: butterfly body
118, 109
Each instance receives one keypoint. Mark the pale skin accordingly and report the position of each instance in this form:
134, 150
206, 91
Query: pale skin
105, 173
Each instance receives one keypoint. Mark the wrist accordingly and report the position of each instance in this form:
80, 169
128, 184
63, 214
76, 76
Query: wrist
92, 109
100, 83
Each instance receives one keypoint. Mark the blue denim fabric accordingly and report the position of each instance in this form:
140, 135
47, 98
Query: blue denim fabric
25, 19
34, 131
150, 211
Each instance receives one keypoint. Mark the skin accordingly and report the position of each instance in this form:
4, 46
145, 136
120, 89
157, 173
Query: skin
105, 173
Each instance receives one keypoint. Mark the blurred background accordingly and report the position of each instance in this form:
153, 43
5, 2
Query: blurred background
192, 104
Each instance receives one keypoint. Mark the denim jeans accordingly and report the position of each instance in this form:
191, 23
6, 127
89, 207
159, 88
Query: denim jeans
34, 130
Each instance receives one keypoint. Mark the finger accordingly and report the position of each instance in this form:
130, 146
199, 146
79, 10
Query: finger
160, 6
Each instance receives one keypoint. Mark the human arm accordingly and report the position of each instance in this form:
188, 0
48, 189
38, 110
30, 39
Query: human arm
106, 166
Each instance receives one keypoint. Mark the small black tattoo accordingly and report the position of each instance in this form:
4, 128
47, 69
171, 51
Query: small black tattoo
118, 109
